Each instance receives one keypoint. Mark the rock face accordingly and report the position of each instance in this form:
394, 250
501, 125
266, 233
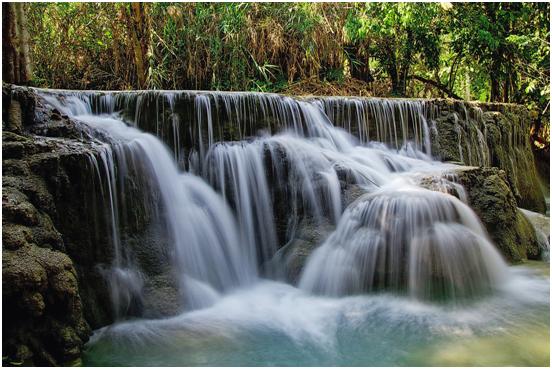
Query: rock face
495, 135
46, 187
43, 321
57, 237
492, 199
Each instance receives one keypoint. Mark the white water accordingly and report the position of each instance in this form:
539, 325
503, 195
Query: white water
208, 252
405, 237
408, 242
274, 324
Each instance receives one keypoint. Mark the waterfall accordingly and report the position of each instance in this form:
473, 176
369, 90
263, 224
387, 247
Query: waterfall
238, 172
208, 253
241, 170
404, 238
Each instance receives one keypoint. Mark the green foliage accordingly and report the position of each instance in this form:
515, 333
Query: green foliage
400, 36
506, 46
484, 51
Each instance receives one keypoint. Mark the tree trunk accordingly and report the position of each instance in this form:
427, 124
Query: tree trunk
16, 65
495, 81
393, 72
506, 90
138, 29
404, 67
394, 76
359, 69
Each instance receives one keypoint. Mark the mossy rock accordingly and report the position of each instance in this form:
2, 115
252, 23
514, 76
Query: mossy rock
41, 299
506, 131
491, 198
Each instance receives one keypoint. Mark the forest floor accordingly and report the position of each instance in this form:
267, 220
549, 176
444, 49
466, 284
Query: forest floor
346, 87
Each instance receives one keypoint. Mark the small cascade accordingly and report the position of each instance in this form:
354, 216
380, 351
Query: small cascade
237, 170
124, 278
207, 253
471, 136
228, 116
189, 122
403, 238
395, 122
201, 226
304, 171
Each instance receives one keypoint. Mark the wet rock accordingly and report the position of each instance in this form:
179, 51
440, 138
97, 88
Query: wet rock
33, 302
59, 126
308, 236
465, 132
161, 297
15, 236
16, 207
40, 286
490, 196
13, 150
541, 224
350, 193
39, 289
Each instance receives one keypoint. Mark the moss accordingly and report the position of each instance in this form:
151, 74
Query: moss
491, 198
15, 236
17, 208
506, 129
526, 237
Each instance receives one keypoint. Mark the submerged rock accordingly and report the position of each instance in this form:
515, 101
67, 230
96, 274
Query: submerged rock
309, 235
406, 239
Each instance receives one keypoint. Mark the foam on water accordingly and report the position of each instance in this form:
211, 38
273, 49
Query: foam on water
276, 324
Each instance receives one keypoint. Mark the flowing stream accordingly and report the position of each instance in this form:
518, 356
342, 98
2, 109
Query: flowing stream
403, 275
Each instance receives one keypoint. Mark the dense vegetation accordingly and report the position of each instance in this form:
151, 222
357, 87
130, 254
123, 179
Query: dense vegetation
477, 51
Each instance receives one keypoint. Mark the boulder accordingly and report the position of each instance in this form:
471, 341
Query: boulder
309, 234
541, 224
491, 197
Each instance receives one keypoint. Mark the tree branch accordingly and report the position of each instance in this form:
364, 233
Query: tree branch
436, 85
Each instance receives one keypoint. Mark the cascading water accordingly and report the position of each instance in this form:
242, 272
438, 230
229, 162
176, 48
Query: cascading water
403, 237
258, 164
207, 249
